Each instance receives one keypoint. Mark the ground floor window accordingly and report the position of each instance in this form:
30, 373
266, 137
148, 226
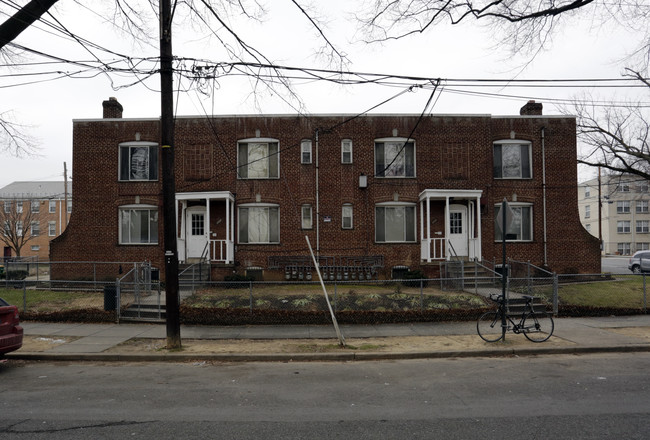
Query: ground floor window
259, 224
624, 248
138, 224
521, 228
643, 246
394, 223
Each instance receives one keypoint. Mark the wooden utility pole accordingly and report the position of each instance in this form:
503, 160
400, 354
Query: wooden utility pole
168, 176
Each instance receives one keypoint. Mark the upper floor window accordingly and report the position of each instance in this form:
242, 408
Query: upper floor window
7, 206
587, 211
69, 206
587, 192
35, 229
19, 207
35, 206
623, 206
305, 151
51, 229
52, 206
394, 157
346, 151
394, 223
258, 159
623, 226
138, 224
138, 161
259, 223
624, 187
521, 228
641, 206
346, 216
306, 214
512, 160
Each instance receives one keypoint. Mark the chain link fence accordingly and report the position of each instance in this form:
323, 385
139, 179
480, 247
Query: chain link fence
115, 291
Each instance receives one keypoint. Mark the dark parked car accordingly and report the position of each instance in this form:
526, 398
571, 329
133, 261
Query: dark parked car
640, 262
11, 333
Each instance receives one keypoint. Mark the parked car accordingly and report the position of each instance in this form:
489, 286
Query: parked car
640, 262
11, 333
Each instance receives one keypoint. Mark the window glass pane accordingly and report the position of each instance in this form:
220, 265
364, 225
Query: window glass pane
409, 158
497, 161
394, 159
511, 161
139, 163
124, 163
395, 224
153, 163
153, 226
274, 160
409, 212
380, 219
258, 225
347, 217
379, 159
257, 160
306, 217
242, 165
525, 161
274, 225
52, 206
243, 225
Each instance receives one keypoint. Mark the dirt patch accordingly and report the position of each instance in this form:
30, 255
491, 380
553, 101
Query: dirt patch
636, 332
44, 343
407, 344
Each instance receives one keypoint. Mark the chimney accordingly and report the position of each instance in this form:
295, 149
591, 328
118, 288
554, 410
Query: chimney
112, 108
531, 108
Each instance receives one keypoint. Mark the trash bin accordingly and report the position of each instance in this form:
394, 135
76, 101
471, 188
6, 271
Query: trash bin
110, 297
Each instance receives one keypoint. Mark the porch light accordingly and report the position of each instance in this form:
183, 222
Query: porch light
363, 181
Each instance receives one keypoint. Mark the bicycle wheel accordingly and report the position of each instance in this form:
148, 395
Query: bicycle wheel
538, 327
488, 326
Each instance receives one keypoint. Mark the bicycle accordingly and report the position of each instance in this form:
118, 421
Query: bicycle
536, 326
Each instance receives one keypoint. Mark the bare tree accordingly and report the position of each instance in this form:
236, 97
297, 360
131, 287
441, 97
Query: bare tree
20, 222
616, 137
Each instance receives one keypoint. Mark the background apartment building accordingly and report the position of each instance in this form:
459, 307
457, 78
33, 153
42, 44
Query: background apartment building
35, 212
623, 221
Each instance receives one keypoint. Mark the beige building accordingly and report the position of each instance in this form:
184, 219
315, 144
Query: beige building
36, 211
623, 221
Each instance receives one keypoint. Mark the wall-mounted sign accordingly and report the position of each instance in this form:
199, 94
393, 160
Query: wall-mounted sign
327, 218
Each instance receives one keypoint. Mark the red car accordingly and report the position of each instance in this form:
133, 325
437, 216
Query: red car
11, 333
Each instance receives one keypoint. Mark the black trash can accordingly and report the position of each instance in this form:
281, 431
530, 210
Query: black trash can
110, 297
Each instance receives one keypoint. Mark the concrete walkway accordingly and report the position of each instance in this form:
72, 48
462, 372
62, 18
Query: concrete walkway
115, 342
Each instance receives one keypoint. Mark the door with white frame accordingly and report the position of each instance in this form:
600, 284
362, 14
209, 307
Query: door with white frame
458, 231
196, 233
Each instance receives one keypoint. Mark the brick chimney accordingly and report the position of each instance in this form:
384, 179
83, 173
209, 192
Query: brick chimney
531, 108
112, 108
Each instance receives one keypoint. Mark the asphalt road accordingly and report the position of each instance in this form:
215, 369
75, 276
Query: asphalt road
615, 265
572, 397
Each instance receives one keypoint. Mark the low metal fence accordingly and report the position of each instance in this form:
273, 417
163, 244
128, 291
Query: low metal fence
418, 299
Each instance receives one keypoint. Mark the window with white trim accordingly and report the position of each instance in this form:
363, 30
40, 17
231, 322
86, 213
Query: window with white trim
69, 206
587, 211
394, 157
51, 229
305, 151
623, 207
138, 161
7, 206
35, 206
19, 207
512, 160
623, 226
306, 216
259, 224
346, 151
52, 206
138, 224
258, 159
36, 248
35, 229
588, 227
642, 226
642, 206
19, 229
623, 248
623, 187
521, 228
395, 223
643, 246
346, 216
587, 192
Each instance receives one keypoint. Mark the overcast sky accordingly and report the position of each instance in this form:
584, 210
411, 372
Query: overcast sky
47, 108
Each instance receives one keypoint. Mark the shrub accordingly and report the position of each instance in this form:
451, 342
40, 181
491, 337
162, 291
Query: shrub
415, 277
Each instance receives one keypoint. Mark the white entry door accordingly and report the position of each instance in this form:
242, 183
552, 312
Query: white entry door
458, 234
195, 233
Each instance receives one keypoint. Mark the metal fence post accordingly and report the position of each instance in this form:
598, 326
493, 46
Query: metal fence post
644, 295
250, 295
421, 295
555, 293
118, 295
24, 296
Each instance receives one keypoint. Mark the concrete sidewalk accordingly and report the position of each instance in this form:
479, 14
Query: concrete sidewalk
137, 342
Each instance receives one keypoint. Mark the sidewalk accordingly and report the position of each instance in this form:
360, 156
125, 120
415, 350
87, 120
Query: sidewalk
145, 342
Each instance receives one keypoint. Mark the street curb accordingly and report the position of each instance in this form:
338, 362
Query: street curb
319, 357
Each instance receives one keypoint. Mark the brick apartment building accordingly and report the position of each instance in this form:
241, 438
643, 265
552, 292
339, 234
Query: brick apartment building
372, 193
37, 211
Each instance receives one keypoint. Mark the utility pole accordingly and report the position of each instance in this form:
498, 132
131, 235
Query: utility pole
65, 192
168, 176
600, 214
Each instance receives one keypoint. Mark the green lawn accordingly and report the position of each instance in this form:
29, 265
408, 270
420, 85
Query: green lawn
620, 293
47, 300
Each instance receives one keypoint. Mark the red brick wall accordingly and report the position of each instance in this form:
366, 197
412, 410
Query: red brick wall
452, 152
